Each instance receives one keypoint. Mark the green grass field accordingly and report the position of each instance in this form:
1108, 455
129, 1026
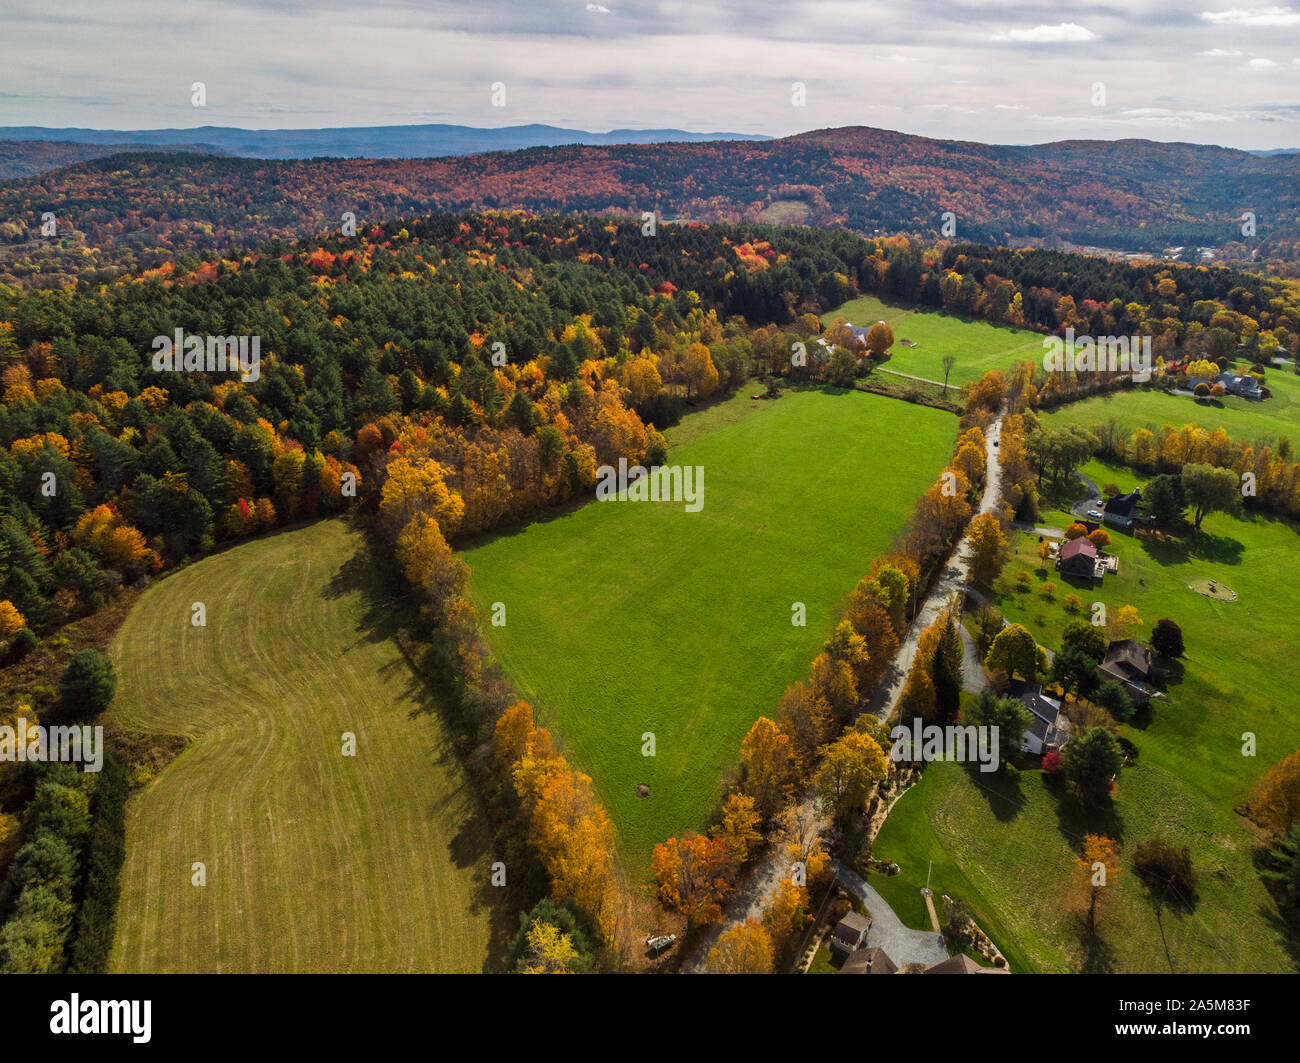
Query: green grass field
978, 345
1010, 852
1241, 419
315, 862
625, 618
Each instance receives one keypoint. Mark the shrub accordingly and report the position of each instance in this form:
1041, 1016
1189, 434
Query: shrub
1072, 603
958, 925
1048, 589
88, 682
1051, 762
1165, 869
1100, 538
1075, 530
1167, 638
1201, 390
23, 644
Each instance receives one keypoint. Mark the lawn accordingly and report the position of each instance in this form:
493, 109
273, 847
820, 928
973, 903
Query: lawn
315, 862
1190, 772
1240, 418
624, 619
978, 345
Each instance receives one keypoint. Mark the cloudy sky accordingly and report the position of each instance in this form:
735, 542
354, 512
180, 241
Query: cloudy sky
1002, 71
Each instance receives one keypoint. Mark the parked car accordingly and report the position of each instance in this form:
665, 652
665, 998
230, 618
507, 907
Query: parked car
1094, 514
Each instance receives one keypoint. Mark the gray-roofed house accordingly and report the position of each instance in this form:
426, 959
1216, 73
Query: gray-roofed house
1048, 728
1121, 511
849, 933
1128, 662
1245, 386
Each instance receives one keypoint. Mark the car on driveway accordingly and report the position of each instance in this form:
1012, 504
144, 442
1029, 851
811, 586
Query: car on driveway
1094, 514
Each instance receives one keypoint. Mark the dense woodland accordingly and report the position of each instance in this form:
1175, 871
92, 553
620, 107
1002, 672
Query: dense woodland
440, 377
130, 211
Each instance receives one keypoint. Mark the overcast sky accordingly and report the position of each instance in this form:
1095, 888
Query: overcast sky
999, 71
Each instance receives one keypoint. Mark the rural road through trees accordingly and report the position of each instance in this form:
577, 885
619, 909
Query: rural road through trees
752, 898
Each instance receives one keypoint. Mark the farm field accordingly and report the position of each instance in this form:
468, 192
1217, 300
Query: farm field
978, 345
1189, 775
626, 619
315, 862
1240, 418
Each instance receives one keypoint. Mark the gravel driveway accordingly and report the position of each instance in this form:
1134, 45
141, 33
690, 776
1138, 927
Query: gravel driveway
901, 943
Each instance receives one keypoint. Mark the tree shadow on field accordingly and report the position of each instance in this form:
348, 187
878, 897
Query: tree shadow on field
379, 589
1287, 932
1199, 546
1005, 797
1098, 955
1076, 817
472, 848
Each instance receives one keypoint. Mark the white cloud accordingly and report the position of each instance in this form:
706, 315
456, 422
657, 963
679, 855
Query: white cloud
1253, 16
1220, 53
599, 9
1061, 33
1261, 64
1008, 106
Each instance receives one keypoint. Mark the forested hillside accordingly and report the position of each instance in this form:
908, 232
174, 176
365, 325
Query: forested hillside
128, 211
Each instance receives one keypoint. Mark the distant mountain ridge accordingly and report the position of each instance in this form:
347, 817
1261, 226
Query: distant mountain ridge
426, 141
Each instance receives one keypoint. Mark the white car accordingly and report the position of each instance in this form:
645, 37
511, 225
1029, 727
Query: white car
1094, 514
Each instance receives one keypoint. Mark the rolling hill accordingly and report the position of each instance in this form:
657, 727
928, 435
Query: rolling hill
1128, 194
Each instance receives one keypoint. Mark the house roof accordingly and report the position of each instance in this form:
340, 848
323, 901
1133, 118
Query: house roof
1038, 703
1074, 547
869, 961
962, 964
1128, 656
1123, 505
849, 930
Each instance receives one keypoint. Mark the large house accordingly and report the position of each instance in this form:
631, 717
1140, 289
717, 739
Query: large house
962, 964
1121, 511
1128, 662
1078, 557
1245, 386
1048, 728
869, 961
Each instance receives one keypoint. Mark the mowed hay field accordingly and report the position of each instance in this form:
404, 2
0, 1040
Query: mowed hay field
624, 618
978, 345
1252, 422
315, 862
